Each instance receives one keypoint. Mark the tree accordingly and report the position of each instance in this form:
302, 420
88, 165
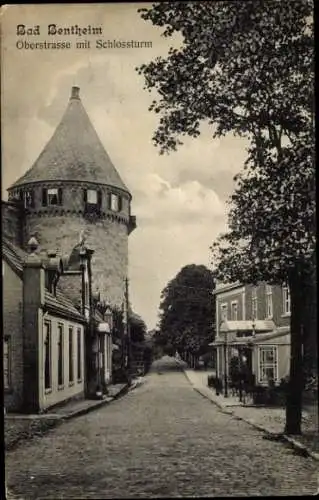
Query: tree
137, 327
247, 68
187, 310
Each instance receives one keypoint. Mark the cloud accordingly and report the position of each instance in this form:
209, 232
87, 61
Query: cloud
183, 204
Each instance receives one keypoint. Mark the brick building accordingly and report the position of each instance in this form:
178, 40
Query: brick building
253, 322
43, 333
72, 189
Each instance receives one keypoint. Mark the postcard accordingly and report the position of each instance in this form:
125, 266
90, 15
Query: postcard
127, 129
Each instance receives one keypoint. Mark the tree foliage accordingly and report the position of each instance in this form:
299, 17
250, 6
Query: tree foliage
187, 310
240, 63
137, 327
247, 68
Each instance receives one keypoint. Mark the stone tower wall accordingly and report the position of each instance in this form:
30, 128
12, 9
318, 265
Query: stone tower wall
58, 228
108, 239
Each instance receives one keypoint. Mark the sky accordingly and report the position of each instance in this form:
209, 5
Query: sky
179, 199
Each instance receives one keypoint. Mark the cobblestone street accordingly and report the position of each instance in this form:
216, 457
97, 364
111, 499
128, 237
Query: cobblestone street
161, 440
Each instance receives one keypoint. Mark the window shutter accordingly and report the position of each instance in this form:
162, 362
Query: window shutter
59, 196
120, 203
32, 199
99, 198
44, 197
85, 198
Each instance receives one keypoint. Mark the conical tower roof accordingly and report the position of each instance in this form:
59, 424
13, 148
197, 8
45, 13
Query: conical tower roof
74, 153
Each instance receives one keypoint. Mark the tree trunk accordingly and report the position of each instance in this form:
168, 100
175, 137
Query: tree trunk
294, 396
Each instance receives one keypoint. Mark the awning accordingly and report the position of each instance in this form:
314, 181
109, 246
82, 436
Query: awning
244, 325
280, 335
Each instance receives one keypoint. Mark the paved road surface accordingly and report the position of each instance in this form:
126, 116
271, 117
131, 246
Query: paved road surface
161, 440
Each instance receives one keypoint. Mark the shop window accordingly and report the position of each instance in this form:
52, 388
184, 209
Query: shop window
268, 363
51, 197
60, 356
47, 356
7, 362
71, 356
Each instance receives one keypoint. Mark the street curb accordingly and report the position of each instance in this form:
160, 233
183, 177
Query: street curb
288, 439
96, 406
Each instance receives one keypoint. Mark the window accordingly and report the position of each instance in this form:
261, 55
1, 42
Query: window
60, 356
92, 196
79, 354
28, 199
6, 362
47, 356
269, 308
115, 202
234, 311
71, 358
92, 200
223, 312
254, 304
51, 197
286, 299
268, 363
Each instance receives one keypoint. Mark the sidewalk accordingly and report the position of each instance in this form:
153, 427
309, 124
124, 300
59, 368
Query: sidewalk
19, 427
267, 419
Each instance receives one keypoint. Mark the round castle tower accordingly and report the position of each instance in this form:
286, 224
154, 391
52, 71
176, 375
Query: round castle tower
74, 187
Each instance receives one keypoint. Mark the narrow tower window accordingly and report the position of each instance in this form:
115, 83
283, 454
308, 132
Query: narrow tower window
92, 200
51, 196
115, 202
92, 196
28, 199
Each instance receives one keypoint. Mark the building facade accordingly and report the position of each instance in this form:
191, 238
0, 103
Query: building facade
53, 351
253, 324
44, 335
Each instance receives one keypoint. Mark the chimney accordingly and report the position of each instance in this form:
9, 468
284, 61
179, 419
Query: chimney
33, 302
75, 93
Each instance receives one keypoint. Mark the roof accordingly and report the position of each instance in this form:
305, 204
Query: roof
258, 326
74, 153
13, 255
61, 304
224, 287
